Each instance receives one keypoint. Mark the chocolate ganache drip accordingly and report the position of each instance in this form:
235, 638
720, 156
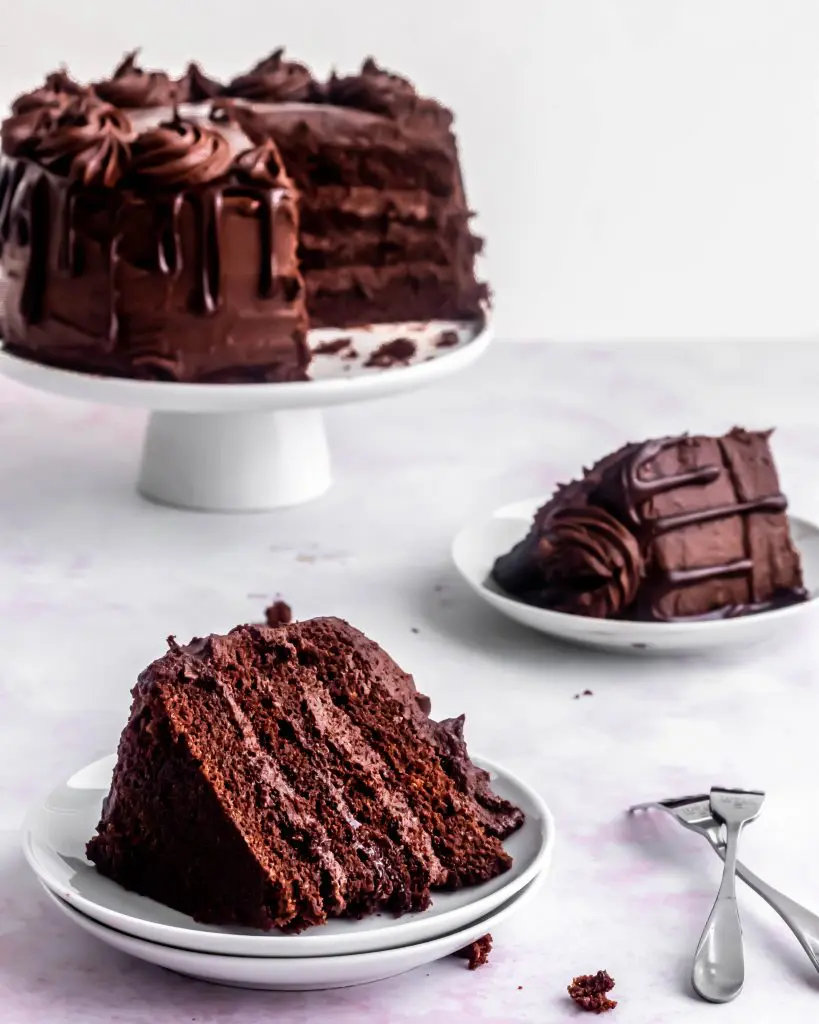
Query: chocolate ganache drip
87, 142
131, 87
590, 563
276, 80
179, 153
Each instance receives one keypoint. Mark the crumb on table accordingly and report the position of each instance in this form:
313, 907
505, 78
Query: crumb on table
477, 952
589, 992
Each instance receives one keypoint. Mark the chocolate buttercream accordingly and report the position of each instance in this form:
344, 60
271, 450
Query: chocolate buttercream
276, 80
131, 86
382, 92
179, 153
86, 142
590, 563
197, 87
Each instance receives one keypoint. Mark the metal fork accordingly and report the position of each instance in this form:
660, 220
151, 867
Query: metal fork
694, 813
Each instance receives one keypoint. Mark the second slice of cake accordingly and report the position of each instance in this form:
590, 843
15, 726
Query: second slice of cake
674, 529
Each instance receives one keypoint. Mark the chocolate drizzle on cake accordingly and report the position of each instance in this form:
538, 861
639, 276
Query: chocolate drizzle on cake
664, 494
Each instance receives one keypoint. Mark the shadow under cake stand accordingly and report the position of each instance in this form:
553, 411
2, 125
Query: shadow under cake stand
252, 447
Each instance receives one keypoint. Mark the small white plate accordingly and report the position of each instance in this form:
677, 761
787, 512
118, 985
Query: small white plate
482, 540
56, 831
300, 973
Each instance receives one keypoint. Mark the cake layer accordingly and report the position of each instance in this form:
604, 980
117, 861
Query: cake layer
335, 146
674, 529
332, 792
350, 296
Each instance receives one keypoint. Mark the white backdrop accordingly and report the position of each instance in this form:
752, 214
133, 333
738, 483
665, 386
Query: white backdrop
642, 168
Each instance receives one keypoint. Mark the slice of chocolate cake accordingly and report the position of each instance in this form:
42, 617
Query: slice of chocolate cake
671, 530
278, 777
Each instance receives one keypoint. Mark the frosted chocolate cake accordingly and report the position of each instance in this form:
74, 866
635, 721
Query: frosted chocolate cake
192, 230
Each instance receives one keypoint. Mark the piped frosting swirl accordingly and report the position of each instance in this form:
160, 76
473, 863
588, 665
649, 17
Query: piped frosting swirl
131, 87
380, 91
87, 142
590, 563
276, 80
179, 153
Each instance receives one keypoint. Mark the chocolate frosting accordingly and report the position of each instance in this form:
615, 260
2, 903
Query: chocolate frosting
87, 142
132, 87
179, 153
197, 87
261, 165
276, 80
34, 112
381, 92
591, 563
58, 88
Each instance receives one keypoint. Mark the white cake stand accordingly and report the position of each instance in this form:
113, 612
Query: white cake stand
252, 447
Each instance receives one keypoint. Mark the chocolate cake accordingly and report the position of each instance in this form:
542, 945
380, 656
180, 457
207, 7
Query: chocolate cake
276, 777
192, 230
671, 530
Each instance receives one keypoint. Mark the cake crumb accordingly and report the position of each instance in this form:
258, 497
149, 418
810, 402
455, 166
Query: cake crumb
447, 339
331, 348
585, 693
477, 952
589, 992
399, 350
351, 354
278, 614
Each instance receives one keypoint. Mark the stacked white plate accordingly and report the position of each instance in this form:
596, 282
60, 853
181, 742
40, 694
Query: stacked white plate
335, 955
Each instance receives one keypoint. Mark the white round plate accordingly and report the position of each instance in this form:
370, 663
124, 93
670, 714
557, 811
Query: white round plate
482, 540
300, 973
335, 380
56, 831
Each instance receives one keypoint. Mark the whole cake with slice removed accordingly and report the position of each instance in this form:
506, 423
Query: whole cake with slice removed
277, 777
190, 230
676, 529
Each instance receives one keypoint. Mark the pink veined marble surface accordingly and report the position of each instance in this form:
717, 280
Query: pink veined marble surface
92, 579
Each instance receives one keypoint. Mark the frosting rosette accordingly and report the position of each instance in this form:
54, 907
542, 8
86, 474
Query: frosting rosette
132, 87
276, 80
87, 142
380, 91
197, 87
33, 112
591, 564
179, 153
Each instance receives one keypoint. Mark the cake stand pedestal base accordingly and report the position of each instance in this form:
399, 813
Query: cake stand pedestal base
235, 462
258, 447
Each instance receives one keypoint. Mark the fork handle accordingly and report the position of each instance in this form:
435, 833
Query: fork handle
802, 922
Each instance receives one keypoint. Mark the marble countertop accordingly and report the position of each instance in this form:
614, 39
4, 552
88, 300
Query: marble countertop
92, 579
